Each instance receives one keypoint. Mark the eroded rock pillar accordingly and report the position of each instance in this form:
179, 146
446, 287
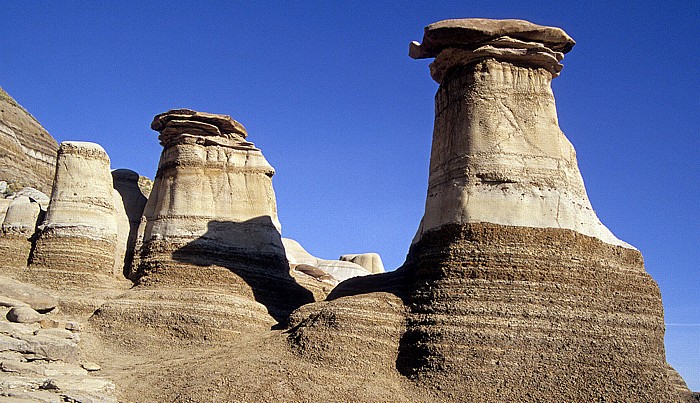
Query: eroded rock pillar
213, 191
18, 230
498, 154
513, 290
211, 252
79, 232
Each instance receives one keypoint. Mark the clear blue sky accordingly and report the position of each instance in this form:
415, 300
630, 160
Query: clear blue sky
345, 116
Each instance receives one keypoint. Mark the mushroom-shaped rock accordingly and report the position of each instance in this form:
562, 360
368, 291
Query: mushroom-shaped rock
459, 42
511, 279
210, 226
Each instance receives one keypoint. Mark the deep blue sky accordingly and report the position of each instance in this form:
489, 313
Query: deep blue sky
329, 94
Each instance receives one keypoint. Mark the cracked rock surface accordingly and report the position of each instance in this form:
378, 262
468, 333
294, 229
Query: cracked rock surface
41, 361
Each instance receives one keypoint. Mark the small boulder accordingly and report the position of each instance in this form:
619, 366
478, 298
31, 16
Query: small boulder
23, 314
91, 366
73, 326
38, 298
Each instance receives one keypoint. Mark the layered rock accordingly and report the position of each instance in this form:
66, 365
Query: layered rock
27, 150
212, 253
78, 237
18, 230
513, 290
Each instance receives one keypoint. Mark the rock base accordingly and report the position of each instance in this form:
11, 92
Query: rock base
498, 313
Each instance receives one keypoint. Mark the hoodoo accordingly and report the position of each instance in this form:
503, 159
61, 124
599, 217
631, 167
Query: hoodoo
211, 252
79, 233
513, 290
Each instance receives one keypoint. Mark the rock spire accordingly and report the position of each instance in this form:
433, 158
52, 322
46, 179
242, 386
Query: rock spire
512, 289
498, 153
211, 251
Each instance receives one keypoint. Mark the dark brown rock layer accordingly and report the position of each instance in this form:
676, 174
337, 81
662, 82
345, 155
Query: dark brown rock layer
498, 313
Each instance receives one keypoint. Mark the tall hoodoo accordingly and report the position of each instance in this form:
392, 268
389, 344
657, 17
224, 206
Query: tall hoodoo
498, 154
513, 289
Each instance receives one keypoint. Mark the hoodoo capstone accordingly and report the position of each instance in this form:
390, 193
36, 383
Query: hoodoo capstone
513, 290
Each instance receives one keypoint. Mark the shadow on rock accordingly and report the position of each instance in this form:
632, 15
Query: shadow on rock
253, 251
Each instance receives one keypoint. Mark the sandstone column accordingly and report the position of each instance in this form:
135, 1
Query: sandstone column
79, 233
513, 290
212, 188
126, 183
211, 252
498, 154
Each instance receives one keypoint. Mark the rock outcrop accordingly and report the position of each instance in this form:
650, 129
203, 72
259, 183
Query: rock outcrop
78, 238
338, 270
212, 253
40, 356
27, 150
18, 230
513, 290
372, 262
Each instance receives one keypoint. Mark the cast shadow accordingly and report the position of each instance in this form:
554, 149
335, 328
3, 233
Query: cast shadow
253, 251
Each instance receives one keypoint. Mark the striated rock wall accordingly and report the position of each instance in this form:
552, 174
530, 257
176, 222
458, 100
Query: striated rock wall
27, 150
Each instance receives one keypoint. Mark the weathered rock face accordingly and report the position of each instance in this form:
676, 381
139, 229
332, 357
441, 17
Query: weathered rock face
211, 253
27, 151
79, 232
498, 154
208, 173
18, 229
513, 290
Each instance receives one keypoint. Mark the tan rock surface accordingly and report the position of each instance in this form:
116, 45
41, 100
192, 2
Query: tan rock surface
27, 150
339, 270
460, 33
76, 247
18, 229
133, 198
372, 262
498, 153
512, 290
